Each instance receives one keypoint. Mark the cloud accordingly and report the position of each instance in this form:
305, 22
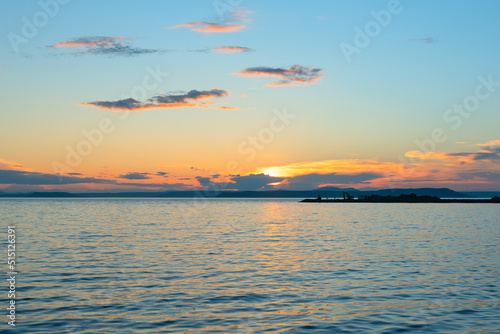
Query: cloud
34, 178
120, 105
164, 174
296, 75
490, 143
264, 181
14, 177
203, 181
417, 169
104, 45
227, 108
135, 176
427, 40
91, 42
484, 176
253, 182
487, 153
229, 49
210, 27
340, 166
10, 165
241, 182
239, 13
490, 154
161, 101
231, 24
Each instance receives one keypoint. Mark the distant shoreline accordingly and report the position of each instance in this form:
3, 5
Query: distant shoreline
325, 192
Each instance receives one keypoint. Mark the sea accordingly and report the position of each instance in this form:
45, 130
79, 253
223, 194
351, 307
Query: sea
136, 265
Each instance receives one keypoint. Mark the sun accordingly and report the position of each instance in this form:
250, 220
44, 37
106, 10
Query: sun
271, 171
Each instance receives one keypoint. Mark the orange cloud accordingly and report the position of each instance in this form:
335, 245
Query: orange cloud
431, 156
227, 108
104, 45
229, 49
490, 143
240, 13
84, 42
133, 105
416, 169
4, 164
341, 166
189, 99
210, 27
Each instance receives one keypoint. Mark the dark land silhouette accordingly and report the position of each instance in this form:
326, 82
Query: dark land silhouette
326, 192
403, 198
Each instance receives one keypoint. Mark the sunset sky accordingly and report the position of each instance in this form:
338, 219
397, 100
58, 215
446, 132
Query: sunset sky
249, 95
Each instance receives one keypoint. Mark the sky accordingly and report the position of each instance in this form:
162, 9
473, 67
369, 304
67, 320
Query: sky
249, 95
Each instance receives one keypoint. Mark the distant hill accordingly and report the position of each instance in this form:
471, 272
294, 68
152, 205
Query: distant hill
327, 192
438, 192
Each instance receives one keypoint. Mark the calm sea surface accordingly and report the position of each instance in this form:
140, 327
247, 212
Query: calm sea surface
251, 266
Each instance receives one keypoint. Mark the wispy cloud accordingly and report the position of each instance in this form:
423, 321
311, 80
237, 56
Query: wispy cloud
91, 42
490, 152
230, 49
104, 45
210, 27
232, 23
4, 164
427, 40
239, 13
191, 99
296, 75
223, 49
490, 143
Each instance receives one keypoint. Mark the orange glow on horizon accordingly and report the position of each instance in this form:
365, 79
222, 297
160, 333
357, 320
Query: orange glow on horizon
341, 166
